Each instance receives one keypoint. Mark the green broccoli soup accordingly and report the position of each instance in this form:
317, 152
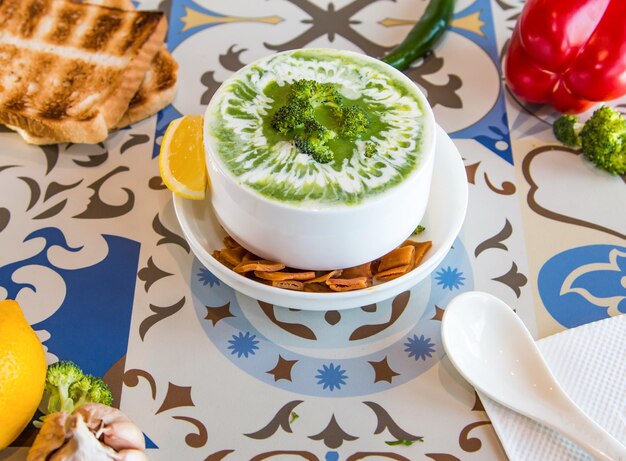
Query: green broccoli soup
317, 127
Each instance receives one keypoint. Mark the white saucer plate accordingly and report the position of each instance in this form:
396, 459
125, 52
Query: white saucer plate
443, 220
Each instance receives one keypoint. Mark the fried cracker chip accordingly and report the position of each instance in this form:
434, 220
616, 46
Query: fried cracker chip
250, 257
420, 250
218, 255
399, 257
390, 266
289, 284
317, 287
356, 283
262, 265
321, 279
364, 270
234, 255
375, 265
280, 276
393, 273
230, 242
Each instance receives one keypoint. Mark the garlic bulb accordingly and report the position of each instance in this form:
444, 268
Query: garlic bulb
92, 432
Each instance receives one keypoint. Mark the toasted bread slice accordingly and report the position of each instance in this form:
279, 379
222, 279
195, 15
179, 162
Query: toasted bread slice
157, 89
159, 85
69, 70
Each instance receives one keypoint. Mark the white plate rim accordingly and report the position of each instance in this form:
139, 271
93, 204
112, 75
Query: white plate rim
448, 164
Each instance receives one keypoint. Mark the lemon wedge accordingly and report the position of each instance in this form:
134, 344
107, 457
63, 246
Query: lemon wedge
181, 158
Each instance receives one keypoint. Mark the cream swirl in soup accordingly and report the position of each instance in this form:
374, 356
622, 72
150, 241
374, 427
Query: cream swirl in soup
239, 127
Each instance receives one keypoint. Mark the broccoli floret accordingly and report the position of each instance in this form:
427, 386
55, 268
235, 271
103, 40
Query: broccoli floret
312, 126
304, 89
67, 388
353, 122
566, 129
313, 141
418, 230
329, 96
315, 148
314, 129
59, 378
90, 389
603, 140
370, 149
296, 120
316, 93
292, 116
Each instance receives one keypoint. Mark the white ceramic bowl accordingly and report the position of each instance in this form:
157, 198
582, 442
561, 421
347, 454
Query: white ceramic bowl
322, 237
443, 220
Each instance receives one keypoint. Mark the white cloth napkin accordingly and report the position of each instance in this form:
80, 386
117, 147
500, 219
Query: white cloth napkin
590, 364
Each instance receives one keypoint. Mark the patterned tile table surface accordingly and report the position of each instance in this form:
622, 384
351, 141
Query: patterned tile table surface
94, 254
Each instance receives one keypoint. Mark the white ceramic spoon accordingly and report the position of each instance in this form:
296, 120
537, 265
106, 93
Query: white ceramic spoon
490, 346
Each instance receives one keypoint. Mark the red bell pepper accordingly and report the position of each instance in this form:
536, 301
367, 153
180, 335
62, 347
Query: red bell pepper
570, 54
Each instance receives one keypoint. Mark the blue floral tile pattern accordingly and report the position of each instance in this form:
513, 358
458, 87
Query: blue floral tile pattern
450, 278
243, 345
331, 377
419, 348
207, 278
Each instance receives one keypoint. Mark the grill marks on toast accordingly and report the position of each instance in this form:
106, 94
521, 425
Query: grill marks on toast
157, 89
8, 11
61, 60
159, 85
69, 18
8, 55
34, 12
63, 96
137, 34
160, 77
79, 92
165, 69
25, 89
103, 30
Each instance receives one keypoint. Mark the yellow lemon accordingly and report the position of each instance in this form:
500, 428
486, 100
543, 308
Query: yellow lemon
181, 159
22, 372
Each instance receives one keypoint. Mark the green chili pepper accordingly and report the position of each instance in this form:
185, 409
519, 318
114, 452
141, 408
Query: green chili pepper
424, 35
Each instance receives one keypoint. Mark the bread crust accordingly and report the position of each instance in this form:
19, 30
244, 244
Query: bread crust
156, 91
115, 107
35, 131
